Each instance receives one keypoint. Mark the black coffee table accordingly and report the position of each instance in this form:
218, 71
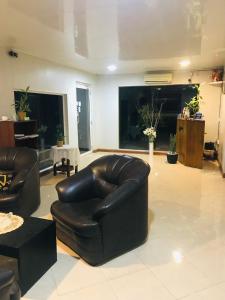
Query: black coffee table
33, 245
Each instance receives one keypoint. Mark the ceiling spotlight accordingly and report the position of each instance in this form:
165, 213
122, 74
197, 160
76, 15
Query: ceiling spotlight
177, 256
112, 68
185, 63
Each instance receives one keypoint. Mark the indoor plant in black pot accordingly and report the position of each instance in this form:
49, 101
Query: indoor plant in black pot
172, 154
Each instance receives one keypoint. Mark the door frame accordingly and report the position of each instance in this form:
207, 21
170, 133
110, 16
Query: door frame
86, 86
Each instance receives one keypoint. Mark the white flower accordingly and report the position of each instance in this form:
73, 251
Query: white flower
150, 132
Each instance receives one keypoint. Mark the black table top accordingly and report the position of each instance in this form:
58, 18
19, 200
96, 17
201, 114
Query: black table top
30, 228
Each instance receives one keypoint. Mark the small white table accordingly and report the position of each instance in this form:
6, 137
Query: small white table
68, 156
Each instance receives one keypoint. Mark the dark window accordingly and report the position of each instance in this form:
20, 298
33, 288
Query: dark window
173, 98
47, 110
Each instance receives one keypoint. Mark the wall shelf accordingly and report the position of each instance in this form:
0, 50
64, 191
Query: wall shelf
216, 83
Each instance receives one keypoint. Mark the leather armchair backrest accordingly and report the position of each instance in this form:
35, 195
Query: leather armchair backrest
103, 187
113, 170
17, 158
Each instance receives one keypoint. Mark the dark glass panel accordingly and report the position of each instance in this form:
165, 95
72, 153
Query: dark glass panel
47, 110
173, 98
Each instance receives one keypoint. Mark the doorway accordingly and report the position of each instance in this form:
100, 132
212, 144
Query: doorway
83, 119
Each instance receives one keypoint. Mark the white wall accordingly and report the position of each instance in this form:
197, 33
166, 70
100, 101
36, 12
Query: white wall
107, 95
42, 76
222, 134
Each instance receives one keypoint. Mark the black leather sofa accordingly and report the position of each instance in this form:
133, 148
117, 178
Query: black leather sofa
9, 289
23, 194
102, 210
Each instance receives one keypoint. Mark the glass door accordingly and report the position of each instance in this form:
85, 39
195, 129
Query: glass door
83, 119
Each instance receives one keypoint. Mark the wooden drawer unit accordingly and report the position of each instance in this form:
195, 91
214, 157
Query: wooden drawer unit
190, 142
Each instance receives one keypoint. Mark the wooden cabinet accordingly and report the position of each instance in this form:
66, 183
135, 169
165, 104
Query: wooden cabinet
18, 134
7, 134
190, 142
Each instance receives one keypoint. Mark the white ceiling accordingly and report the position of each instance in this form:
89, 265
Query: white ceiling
136, 35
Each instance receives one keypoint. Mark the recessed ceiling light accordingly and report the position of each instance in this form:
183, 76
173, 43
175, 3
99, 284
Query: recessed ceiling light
185, 63
112, 68
177, 256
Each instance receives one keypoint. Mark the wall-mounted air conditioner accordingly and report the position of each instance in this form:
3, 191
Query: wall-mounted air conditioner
158, 78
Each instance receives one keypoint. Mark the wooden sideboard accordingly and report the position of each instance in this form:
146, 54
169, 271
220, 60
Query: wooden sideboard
190, 142
18, 133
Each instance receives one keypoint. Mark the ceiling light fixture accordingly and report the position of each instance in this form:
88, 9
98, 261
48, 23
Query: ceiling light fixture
177, 256
112, 68
185, 63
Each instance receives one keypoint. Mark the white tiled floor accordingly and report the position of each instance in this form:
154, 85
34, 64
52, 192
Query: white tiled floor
184, 257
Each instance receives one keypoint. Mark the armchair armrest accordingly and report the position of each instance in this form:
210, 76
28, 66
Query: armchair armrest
114, 199
77, 187
6, 278
18, 181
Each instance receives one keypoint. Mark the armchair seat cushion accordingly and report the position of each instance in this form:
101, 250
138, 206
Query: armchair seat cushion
78, 216
8, 201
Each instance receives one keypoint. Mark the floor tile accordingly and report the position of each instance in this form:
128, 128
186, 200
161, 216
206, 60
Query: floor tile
210, 260
213, 293
125, 264
44, 288
181, 278
71, 274
160, 251
184, 253
96, 292
140, 285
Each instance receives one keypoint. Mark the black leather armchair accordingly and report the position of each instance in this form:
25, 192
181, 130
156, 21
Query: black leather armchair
23, 195
9, 289
102, 210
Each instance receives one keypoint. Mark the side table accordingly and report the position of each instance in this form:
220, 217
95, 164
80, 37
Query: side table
33, 246
68, 156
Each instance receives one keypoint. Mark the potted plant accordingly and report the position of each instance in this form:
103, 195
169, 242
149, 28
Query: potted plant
194, 103
59, 136
41, 131
21, 105
172, 154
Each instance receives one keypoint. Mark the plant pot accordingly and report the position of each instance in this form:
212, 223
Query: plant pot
21, 115
59, 143
172, 158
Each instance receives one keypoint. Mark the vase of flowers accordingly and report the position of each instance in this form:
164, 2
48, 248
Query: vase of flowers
150, 116
151, 134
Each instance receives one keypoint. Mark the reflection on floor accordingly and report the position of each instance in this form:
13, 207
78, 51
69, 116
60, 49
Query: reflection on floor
184, 257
